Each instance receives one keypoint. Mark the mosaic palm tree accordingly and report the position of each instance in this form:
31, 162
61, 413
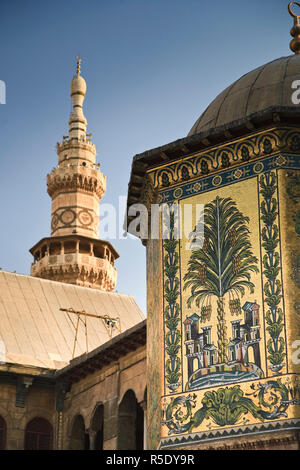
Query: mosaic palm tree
224, 262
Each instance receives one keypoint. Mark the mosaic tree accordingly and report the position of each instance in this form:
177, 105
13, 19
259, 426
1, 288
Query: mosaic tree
223, 264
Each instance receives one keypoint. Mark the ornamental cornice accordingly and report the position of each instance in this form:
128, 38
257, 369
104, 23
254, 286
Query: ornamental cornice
75, 143
77, 177
82, 275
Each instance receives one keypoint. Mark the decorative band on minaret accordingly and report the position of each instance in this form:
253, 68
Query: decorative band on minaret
76, 187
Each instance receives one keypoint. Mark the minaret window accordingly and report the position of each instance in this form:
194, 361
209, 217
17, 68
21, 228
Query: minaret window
99, 252
84, 248
70, 247
44, 251
55, 248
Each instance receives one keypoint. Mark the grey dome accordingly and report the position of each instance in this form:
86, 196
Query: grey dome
267, 86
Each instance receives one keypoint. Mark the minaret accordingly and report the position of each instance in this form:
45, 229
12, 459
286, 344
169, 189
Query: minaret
73, 253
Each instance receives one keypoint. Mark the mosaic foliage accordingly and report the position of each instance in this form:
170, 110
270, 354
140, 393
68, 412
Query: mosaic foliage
276, 345
172, 314
293, 191
226, 406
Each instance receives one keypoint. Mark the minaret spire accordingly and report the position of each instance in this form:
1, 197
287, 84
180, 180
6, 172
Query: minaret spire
78, 65
77, 121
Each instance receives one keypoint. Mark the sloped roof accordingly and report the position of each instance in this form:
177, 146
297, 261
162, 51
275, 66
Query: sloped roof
249, 306
234, 341
194, 318
209, 347
33, 330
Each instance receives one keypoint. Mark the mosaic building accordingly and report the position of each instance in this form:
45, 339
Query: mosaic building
223, 303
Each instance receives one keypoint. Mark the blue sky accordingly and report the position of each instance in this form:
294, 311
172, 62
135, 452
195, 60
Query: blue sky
151, 66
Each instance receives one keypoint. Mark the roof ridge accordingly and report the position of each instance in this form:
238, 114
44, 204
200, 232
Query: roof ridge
90, 289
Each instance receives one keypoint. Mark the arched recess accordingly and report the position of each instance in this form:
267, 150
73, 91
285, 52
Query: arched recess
250, 353
130, 423
38, 435
2, 433
79, 439
97, 428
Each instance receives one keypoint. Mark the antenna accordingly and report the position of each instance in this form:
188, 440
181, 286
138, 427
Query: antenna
110, 324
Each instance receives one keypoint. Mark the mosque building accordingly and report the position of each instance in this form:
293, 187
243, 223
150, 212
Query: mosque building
220, 366
73, 359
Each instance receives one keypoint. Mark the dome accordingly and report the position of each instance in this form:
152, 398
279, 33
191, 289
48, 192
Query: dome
267, 86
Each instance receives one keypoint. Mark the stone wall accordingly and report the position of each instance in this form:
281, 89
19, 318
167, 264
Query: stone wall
107, 387
39, 403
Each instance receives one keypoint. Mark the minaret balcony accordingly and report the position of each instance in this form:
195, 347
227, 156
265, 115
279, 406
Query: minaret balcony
75, 266
73, 143
76, 260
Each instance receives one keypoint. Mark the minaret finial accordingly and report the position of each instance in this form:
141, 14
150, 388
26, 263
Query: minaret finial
78, 65
77, 121
295, 31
